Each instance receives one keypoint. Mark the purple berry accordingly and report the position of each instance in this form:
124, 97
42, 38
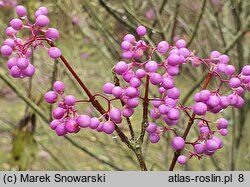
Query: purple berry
10, 42
129, 37
21, 11
54, 124
71, 126
230, 70
178, 143
167, 83
11, 62
108, 87
50, 97
44, 10
127, 112
58, 86
173, 93
222, 123
199, 148
29, 71
140, 73
52, 34
83, 121
94, 123
131, 92
121, 67
162, 47
135, 82
126, 45
141, 30
211, 145
151, 128
155, 78
61, 130
6, 50
246, 70
181, 43
234, 82
173, 114
115, 115
117, 91
224, 59
15, 72
215, 54
108, 127
70, 100
42, 21
200, 108
213, 101
54, 52
16, 24
173, 59
154, 138
58, 113
182, 159
151, 66
22, 63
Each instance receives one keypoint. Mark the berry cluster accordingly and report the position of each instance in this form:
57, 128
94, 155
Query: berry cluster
67, 120
139, 72
19, 50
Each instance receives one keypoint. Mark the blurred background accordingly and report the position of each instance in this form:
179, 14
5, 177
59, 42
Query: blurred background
90, 36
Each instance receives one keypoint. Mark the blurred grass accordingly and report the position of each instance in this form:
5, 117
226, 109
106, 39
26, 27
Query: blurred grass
91, 44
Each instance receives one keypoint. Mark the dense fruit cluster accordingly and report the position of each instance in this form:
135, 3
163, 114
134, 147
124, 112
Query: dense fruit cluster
140, 72
19, 50
67, 120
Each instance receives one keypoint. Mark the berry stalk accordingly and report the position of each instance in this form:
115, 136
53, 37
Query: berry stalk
190, 123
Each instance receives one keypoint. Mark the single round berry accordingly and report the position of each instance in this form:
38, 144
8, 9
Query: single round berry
215, 54
181, 43
129, 37
140, 73
218, 141
173, 59
117, 91
213, 101
234, 82
94, 123
154, 138
173, 70
59, 87
155, 78
115, 115
21, 11
29, 71
182, 159
83, 121
52, 34
15, 72
126, 45
132, 103
246, 70
173, 93
167, 83
222, 123
44, 10
54, 52
11, 62
184, 52
141, 30
53, 124
10, 31
22, 63
70, 100
58, 113
121, 67
200, 108
223, 132
230, 70
108, 127
50, 97
108, 87
61, 130
204, 130
199, 148
10, 42
127, 112
178, 143
42, 21
135, 82
151, 128
71, 126
131, 92
224, 59
155, 114
211, 145
16, 24
173, 114
6, 50
162, 47
151, 66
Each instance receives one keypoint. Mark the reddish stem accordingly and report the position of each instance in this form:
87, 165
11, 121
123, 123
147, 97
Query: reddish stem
190, 123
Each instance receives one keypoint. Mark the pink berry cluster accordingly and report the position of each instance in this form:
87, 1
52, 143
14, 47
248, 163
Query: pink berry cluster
67, 120
19, 50
167, 106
